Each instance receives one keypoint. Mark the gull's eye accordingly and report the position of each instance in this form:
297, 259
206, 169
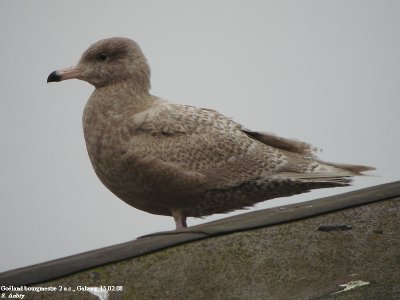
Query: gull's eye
102, 56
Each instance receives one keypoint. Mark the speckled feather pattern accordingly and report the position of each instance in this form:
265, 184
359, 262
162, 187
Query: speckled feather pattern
160, 156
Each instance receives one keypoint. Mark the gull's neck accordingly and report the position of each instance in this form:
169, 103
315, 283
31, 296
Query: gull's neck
120, 96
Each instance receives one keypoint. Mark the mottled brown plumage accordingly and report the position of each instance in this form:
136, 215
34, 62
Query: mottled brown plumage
181, 161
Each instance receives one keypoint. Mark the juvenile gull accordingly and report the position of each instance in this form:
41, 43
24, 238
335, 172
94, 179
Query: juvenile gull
178, 160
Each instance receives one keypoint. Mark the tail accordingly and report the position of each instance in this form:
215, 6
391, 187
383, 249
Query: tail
354, 170
327, 174
304, 167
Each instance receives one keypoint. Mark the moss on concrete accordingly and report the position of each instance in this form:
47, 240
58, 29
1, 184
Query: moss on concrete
295, 260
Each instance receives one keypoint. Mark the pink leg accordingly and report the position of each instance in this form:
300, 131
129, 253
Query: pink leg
180, 219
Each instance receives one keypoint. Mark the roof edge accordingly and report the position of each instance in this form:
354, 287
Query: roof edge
252, 220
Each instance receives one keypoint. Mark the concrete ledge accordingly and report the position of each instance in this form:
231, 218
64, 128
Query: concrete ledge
318, 245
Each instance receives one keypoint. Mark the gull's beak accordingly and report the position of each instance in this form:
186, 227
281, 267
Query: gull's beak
64, 74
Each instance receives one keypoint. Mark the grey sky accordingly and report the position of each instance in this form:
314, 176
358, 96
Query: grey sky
326, 72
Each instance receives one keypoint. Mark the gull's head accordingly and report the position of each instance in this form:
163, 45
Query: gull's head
108, 62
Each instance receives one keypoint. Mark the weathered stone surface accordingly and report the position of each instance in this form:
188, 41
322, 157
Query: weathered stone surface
304, 259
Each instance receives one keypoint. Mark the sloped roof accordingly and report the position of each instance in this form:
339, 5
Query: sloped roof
59, 268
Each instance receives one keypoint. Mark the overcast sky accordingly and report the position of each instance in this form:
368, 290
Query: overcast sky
326, 72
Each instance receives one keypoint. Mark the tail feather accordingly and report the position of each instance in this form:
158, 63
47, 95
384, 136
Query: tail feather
327, 174
337, 178
355, 170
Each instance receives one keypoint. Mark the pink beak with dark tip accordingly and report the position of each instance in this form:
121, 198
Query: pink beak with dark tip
64, 74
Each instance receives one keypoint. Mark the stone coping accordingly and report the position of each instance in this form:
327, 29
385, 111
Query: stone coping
154, 242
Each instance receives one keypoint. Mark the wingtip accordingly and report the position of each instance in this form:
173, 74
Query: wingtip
355, 170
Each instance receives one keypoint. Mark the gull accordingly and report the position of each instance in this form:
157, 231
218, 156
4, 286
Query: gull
178, 160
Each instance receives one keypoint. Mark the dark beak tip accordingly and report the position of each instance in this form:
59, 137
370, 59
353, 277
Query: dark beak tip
53, 77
